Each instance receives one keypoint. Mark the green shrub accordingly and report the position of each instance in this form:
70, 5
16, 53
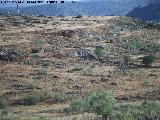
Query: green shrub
35, 56
31, 100
151, 109
46, 63
60, 97
153, 47
134, 44
4, 115
126, 116
103, 103
39, 42
148, 60
145, 82
55, 97
27, 62
3, 103
99, 52
43, 71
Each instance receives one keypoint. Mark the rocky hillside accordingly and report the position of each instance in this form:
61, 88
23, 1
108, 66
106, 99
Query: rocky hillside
46, 63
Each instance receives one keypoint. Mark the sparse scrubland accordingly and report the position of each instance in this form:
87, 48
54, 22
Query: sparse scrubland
79, 68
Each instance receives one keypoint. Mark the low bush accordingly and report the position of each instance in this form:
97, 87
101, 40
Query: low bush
54, 97
3, 109
4, 115
148, 60
43, 71
103, 103
99, 52
153, 47
3, 103
46, 62
151, 110
134, 44
31, 100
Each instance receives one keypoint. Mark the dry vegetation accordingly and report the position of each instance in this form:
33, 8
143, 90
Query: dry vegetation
40, 84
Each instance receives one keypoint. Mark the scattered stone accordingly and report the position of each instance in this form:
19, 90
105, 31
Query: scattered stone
77, 52
67, 110
34, 50
20, 75
77, 87
8, 55
104, 79
55, 76
114, 83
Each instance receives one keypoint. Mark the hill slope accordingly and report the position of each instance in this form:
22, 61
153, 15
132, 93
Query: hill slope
40, 82
149, 12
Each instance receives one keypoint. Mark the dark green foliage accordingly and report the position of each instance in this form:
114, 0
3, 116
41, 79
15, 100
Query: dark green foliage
148, 60
34, 50
31, 100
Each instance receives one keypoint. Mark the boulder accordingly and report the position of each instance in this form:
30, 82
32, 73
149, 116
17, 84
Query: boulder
7, 55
